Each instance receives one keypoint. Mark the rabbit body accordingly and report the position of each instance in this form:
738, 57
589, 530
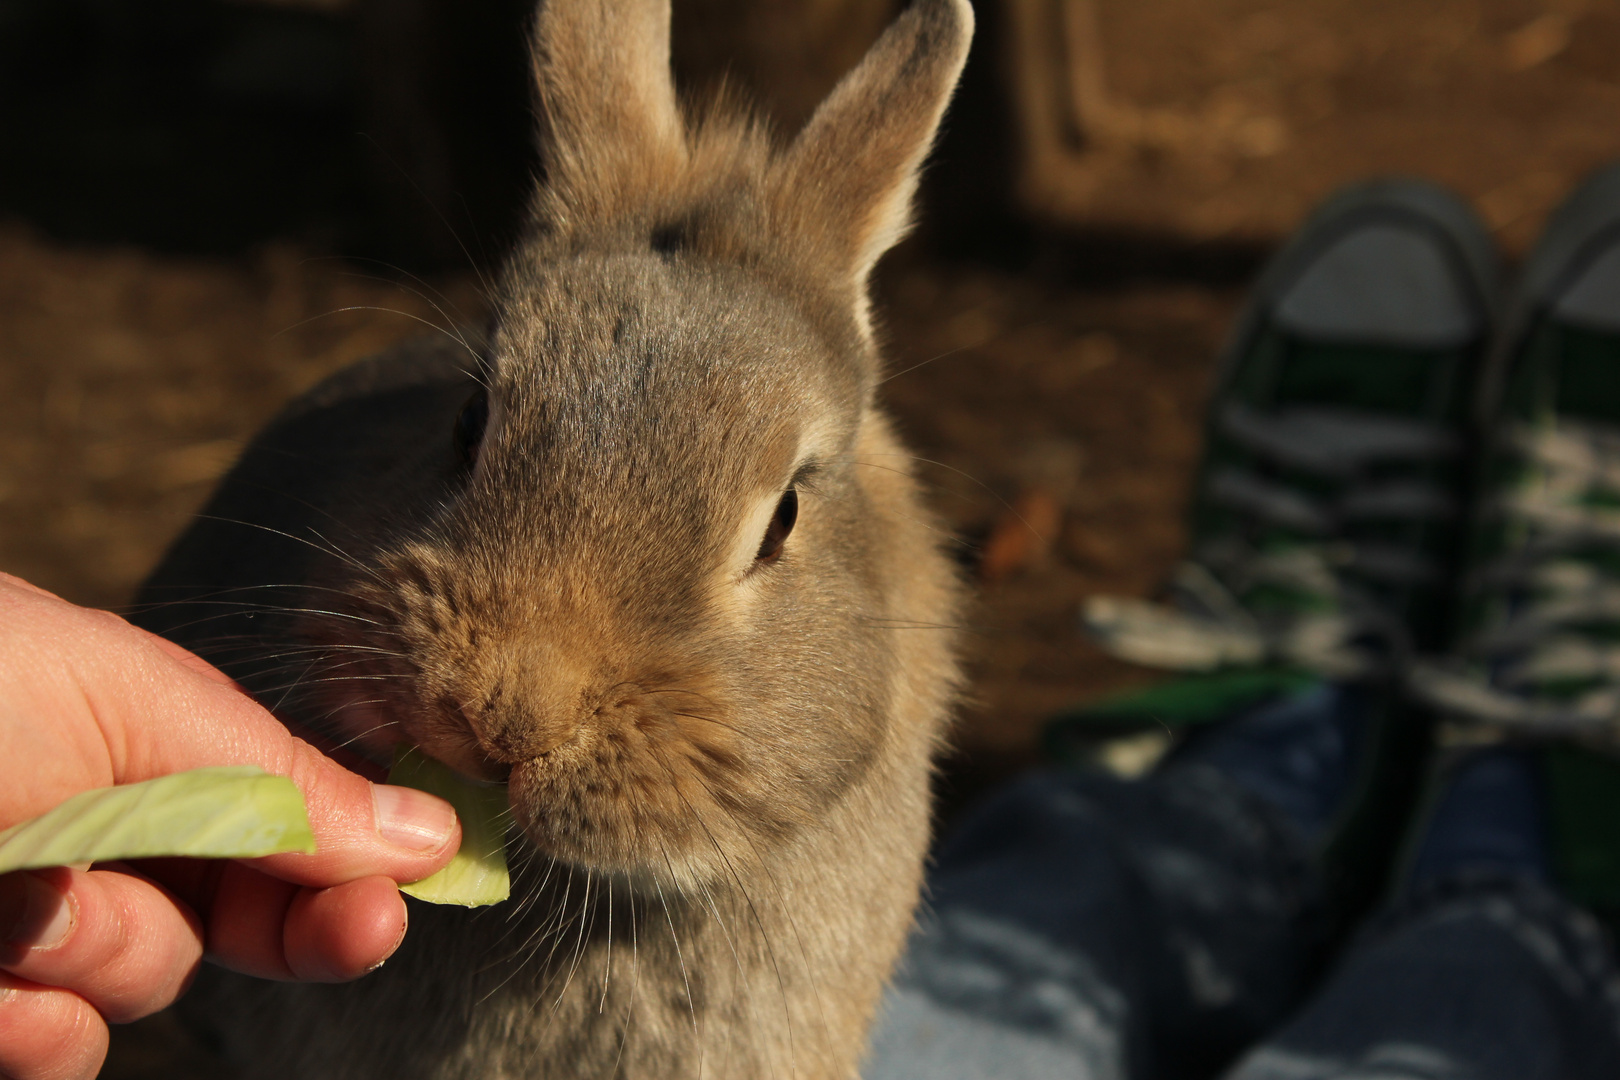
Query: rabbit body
649, 552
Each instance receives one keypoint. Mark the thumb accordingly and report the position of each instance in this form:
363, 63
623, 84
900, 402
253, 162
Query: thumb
87, 700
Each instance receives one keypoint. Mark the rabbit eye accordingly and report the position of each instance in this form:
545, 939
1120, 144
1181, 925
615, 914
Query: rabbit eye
468, 433
776, 533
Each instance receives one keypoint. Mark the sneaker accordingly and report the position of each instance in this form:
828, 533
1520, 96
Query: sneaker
1327, 509
1536, 657
1327, 506
1326, 517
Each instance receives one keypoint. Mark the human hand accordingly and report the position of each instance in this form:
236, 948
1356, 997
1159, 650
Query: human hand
88, 701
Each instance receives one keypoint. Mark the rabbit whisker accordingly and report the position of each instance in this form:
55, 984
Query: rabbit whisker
931, 359
436, 212
346, 743
711, 720
968, 476
677, 690
713, 905
555, 932
742, 888
607, 970
333, 551
787, 914
237, 607
587, 919
429, 323
635, 985
431, 301
395, 268
883, 622
691, 1002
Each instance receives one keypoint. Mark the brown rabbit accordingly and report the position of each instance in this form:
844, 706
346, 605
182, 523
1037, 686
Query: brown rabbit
650, 553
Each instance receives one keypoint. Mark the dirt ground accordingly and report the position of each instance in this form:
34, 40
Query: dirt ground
1232, 117
1051, 380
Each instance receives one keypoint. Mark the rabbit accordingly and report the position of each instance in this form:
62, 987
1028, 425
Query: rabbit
648, 551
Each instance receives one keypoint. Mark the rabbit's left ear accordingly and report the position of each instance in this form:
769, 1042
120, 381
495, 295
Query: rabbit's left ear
613, 130
844, 187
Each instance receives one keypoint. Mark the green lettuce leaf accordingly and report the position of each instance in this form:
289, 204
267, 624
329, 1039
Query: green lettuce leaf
477, 875
229, 812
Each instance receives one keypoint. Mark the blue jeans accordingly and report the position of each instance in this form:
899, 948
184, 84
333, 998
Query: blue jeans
1085, 927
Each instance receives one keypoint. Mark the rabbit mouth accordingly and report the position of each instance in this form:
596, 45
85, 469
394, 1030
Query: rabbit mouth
656, 784
650, 787
656, 794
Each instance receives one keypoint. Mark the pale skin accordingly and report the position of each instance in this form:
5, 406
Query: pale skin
88, 701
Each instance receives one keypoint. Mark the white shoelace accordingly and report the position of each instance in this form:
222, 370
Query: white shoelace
1334, 627
1560, 577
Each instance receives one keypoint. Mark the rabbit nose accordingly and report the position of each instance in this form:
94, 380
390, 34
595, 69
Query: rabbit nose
524, 740
533, 708
512, 732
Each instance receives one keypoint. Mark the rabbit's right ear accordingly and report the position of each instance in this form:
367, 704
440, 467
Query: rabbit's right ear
613, 129
844, 187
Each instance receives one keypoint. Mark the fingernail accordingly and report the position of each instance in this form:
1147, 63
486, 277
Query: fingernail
404, 924
412, 819
33, 915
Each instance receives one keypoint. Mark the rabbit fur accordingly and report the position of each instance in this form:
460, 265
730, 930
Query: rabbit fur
537, 554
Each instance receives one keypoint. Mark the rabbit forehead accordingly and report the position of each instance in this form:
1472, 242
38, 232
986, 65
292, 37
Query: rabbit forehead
611, 353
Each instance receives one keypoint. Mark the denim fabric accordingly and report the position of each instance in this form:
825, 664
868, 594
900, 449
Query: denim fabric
1477, 978
1493, 817
1091, 928
1086, 926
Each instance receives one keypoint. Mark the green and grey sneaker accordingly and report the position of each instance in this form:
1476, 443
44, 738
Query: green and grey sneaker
1537, 656
1326, 513
1325, 525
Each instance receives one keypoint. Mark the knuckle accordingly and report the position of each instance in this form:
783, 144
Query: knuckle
151, 947
130, 951
48, 1034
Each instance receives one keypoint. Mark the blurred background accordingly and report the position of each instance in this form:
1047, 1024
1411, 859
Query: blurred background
207, 205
